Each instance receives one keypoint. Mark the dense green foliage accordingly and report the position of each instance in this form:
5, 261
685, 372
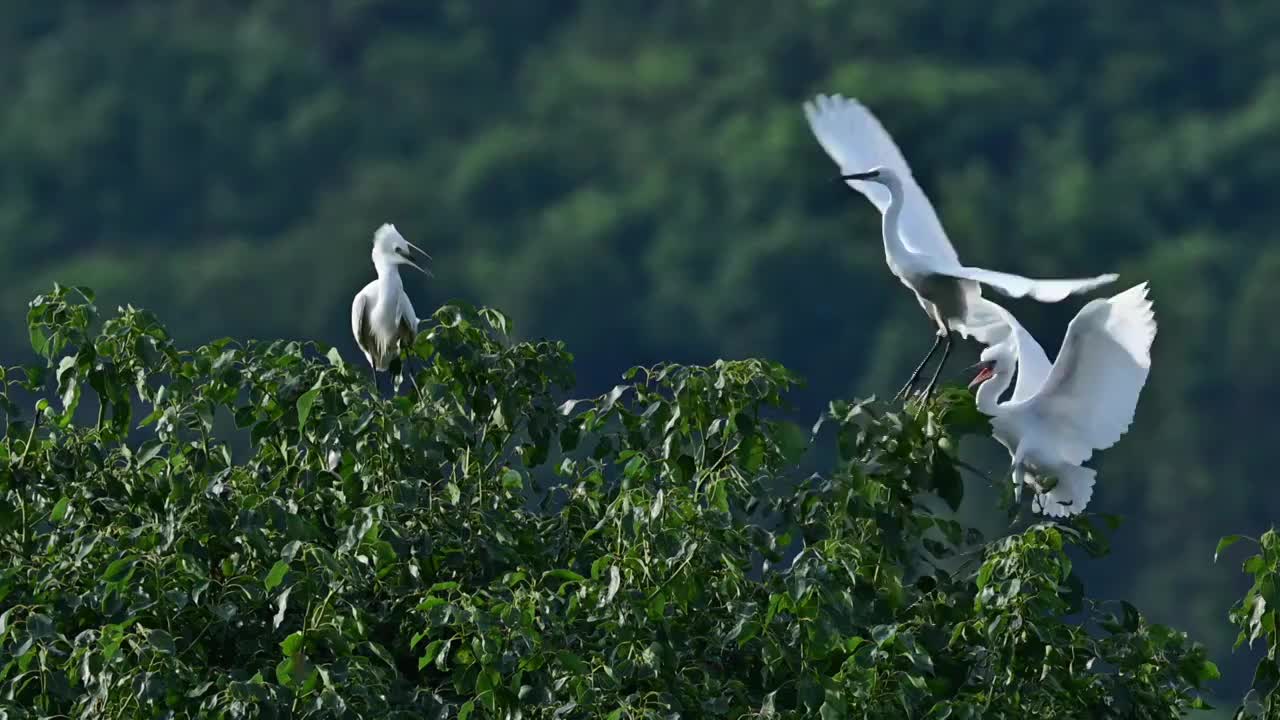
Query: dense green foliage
478, 548
1255, 615
636, 177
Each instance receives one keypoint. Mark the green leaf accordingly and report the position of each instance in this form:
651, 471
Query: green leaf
148, 452
1225, 543
768, 708
305, 401
465, 711
162, 641
431, 602
60, 510
289, 671
120, 570
615, 581
1132, 619
751, 453
292, 644
984, 574
834, 708
39, 341
276, 576
573, 663
40, 626
430, 653
564, 575
792, 441
442, 657
512, 481
1266, 677
282, 604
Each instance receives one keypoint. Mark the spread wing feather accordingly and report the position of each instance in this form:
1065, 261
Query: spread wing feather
1091, 394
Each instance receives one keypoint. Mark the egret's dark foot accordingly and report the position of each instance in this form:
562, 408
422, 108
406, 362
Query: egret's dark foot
933, 382
905, 392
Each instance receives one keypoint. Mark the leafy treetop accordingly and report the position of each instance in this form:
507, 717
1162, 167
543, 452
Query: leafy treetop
485, 548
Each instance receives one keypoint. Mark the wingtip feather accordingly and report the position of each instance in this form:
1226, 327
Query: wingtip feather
822, 106
1133, 321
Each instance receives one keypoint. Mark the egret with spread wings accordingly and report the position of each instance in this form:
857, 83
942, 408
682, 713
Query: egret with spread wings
916, 247
382, 317
1060, 414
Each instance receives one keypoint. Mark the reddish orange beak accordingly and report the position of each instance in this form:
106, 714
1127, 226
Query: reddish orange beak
985, 374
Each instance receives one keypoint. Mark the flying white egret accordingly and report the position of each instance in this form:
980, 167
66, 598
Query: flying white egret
382, 318
915, 245
1060, 414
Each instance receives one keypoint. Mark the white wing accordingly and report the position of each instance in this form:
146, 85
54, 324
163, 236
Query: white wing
1088, 401
357, 316
407, 315
1033, 363
359, 322
857, 142
1017, 286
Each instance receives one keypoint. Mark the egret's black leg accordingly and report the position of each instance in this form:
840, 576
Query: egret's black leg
919, 368
376, 391
946, 353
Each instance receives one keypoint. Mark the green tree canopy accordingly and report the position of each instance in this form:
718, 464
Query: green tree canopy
484, 548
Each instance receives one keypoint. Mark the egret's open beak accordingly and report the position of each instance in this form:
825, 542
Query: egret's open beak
418, 250
861, 175
405, 259
986, 371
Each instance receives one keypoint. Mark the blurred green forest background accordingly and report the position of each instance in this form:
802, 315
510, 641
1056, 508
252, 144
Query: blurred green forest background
637, 178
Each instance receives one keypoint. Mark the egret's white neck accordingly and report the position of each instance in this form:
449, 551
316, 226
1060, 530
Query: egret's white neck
893, 246
388, 276
987, 398
388, 271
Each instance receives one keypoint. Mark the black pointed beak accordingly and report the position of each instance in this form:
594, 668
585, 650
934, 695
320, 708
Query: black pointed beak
861, 176
409, 261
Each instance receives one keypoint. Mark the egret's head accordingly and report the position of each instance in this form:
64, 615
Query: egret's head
986, 370
880, 175
994, 360
390, 246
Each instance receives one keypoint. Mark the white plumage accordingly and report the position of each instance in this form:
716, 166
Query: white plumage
382, 318
917, 249
1061, 414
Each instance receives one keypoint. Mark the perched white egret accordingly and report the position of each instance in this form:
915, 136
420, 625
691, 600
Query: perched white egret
1060, 414
915, 245
382, 318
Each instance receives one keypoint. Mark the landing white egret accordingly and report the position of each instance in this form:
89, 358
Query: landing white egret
915, 245
1059, 415
382, 317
